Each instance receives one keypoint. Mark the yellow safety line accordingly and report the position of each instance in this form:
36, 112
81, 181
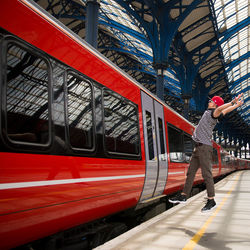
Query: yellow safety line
196, 238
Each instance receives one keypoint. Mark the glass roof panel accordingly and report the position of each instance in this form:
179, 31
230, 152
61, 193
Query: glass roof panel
229, 13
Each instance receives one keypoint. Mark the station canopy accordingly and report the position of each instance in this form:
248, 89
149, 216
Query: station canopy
209, 43
229, 14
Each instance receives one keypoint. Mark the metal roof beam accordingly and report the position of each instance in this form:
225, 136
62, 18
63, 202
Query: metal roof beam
236, 62
225, 36
238, 81
123, 28
130, 52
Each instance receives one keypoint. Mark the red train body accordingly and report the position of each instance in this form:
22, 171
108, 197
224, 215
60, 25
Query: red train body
43, 192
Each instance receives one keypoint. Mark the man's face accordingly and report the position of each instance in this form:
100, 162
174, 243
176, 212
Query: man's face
211, 104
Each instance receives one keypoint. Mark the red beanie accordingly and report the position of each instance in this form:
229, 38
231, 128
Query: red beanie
218, 100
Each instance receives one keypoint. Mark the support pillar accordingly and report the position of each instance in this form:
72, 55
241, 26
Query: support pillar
230, 143
92, 7
219, 135
160, 83
214, 136
236, 147
241, 143
186, 99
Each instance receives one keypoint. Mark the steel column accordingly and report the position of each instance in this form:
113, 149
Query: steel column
160, 83
92, 22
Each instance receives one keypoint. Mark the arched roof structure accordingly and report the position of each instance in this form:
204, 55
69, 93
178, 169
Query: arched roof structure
201, 46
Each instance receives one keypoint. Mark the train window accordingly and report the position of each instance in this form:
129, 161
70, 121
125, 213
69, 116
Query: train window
58, 110
215, 156
27, 95
242, 163
80, 112
150, 135
99, 121
188, 147
175, 145
120, 125
161, 134
224, 158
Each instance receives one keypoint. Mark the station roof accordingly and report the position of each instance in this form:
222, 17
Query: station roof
209, 41
229, 15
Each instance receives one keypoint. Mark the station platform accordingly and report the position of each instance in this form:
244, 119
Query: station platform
185, 227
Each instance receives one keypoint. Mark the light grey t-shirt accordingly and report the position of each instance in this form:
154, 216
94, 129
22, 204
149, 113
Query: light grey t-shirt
204, 130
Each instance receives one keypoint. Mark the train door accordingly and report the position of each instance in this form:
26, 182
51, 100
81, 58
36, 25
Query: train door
161, 149
155, 148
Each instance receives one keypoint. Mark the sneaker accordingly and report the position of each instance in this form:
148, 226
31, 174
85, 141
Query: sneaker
211, 204
180, 198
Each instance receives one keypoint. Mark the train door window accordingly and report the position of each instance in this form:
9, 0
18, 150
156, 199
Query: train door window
224, 158
175, 144
80, 112
150, 135
27, 95
120, 125
215, 156
188, 147
161, 135
99, 120
58, 110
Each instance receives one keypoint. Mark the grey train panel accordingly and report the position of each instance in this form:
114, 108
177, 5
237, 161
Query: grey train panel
162, 153
156, 165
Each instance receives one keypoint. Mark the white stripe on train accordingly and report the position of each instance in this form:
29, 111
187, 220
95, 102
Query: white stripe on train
13, 185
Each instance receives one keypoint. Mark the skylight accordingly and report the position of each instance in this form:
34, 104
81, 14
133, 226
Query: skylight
230, 14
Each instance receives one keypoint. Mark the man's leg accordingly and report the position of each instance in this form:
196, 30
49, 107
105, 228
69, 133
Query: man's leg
193, 167
206, 168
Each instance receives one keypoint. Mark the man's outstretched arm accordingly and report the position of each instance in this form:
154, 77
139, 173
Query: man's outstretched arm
228, 107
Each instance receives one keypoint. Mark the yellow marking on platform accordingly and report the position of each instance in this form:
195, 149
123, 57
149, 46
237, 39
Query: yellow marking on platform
196, 238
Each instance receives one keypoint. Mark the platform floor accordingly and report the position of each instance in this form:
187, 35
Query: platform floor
185, 227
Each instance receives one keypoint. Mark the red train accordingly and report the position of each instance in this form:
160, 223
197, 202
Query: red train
79, 139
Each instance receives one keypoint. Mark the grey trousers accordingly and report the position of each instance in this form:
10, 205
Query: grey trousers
201, 157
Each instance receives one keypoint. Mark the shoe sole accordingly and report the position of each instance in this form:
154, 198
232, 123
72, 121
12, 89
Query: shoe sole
207, 211
174, 202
